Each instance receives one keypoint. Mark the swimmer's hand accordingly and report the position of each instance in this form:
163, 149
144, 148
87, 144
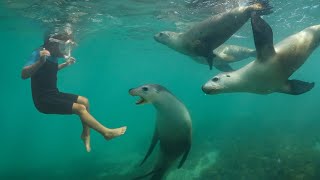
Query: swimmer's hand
71, 42
43, 54
70, 60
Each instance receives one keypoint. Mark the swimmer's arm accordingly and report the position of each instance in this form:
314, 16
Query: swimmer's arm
63, 65
28, 71
69, 61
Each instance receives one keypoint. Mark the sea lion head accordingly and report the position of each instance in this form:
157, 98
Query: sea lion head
148, 93
221, 83
166, 37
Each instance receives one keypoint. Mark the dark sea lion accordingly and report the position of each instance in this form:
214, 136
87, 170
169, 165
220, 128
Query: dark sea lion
173, 128
274, 64
204, 37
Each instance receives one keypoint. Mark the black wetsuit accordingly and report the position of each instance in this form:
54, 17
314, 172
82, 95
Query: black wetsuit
46, 96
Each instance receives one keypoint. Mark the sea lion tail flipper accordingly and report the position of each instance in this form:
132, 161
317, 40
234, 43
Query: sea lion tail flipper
296, 87
263, 38
184, 157
152, 145
260, 7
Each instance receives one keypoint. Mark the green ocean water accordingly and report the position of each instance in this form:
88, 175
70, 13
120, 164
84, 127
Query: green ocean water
235, 136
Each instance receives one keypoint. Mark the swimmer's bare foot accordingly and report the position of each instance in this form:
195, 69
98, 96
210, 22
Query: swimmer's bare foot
112, 133
86, 141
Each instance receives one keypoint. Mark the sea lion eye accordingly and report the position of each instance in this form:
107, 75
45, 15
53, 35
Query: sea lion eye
228, 75
145, 88
215, 79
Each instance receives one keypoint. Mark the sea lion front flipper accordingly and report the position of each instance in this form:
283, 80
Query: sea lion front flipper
263, 37
296, 87
154, 142
185, 155
225, 67
210, 62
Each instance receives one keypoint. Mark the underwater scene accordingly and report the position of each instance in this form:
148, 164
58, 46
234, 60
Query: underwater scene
207, 90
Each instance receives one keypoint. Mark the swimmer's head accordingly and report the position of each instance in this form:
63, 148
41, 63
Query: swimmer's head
59, 45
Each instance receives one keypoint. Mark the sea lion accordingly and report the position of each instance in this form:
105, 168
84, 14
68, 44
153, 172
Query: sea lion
274, 64
173, 127
227, 53
204, 37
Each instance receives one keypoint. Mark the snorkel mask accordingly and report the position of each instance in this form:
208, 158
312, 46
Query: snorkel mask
65, 47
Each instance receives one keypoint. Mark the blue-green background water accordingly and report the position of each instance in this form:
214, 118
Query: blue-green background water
235, 136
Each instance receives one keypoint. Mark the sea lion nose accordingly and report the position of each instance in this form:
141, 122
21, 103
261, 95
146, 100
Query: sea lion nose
204, 89
155, 37
131, 91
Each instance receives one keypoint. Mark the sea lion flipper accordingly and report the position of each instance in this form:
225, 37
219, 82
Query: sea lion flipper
154, 142
210, 63
263, 37
296, 87
225, 67
185, 155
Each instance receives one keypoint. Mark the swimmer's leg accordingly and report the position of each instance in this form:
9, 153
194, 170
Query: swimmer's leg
89, 120
85, 135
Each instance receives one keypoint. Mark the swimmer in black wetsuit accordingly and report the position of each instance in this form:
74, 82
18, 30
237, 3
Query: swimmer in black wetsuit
42, 67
